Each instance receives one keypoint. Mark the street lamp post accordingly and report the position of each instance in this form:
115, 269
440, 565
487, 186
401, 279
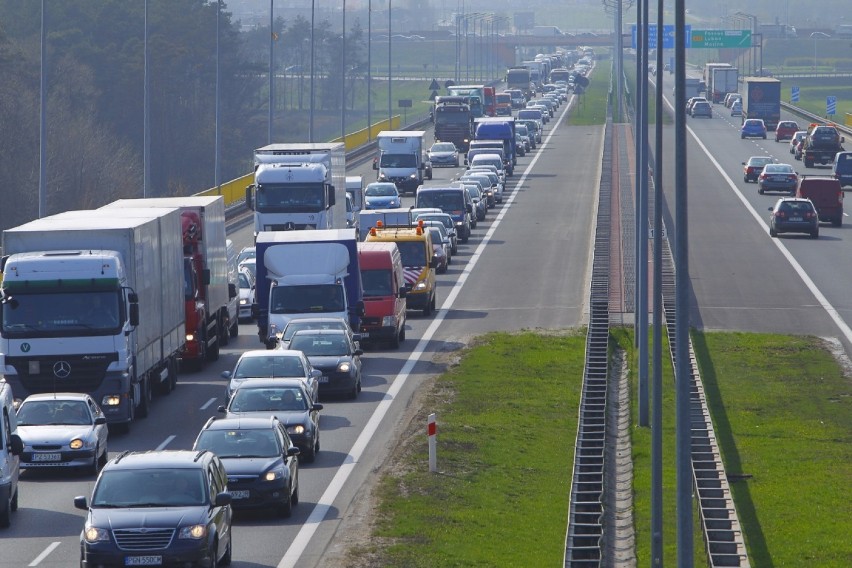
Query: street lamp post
271, 67
390, 71
311, 123
343, 85
369, 69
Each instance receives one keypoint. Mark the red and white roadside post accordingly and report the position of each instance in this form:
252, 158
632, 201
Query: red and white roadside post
431, 429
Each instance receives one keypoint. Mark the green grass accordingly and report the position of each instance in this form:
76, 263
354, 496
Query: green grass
630, 72
812, 98
591, 106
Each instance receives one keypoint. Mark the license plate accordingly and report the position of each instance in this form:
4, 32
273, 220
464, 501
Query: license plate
143, 560
323, 379
365, 334
779, 178
795, 219
47, 457
240, 494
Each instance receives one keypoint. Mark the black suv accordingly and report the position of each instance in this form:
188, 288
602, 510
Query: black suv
158, 508
260, 458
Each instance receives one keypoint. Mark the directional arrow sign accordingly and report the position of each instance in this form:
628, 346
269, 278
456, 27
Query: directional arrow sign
830, 105
721, 38
794, 94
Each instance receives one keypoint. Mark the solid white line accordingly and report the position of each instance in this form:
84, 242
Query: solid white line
44, 554
165, 443
208, 403
759, 218
300, 543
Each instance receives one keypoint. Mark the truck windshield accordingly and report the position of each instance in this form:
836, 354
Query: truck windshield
290, 198
314, 298
61, 314
377, 283
398, 161
413, 253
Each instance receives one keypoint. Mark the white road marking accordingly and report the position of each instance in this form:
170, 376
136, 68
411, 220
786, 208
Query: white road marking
207, 404
165, 443
44, 554
300, 543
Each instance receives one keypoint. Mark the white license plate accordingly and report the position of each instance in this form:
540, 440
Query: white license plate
241, 494
323, 379
143, 560
364, 334
795, 219
47, 457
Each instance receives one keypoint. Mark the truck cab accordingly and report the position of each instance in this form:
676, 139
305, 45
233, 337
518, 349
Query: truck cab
402, 159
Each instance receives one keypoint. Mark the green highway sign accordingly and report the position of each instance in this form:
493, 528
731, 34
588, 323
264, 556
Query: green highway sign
721, 38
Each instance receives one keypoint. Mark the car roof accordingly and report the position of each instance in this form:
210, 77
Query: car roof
160, 459
240, 423
318, 320
57, 396
263, 383
255, 353
318, 332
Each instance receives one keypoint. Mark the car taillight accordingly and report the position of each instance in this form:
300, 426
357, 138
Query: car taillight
762, 176
791, 178
780, 214
749, 170
809, 215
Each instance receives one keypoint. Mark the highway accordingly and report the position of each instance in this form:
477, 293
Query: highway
524, 267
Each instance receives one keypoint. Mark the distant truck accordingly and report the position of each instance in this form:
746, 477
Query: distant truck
536, 73
354, 200
294, 186
723, 80
453, 121
499, 128
519, 78
92, 301
707, 73
401, 159
489, 101
306, 274
210, 286
821, 144
762, 99
693, 87
475, 95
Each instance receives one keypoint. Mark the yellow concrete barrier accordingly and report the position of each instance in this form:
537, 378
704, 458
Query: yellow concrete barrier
848, 120
232, 191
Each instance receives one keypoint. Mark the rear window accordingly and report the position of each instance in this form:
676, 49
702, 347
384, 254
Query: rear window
799, 207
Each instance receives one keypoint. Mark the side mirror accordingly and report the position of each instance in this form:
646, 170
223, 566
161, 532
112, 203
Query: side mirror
331, 198
16, 445
293, 451
232, 290
356, 337
375, 165
221, 408
100, 420
744, 163
222, 499
249, 198
358, 352
316, 406
226, 375
316, 373
402, 293
81, 502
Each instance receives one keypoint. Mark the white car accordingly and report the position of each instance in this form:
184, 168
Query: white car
61, 430
247, 288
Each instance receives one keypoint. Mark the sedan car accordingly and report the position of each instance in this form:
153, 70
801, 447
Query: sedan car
785, 130
62, 430
754, 165
444, 154
793, 215
382, 195
524, 133
277, 364
260, 458
497, 186
777, 177
335, 354
440, 249
753, 128
701, 108
298, 324
487, 186
796, 138
247, 287
289, 402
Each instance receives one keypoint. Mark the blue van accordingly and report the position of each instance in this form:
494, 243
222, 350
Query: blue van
455, 201
842, 168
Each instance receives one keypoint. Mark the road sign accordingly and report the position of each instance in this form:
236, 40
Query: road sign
721, 38
434, 86
794, 94
668, 36
404, 103
830, 105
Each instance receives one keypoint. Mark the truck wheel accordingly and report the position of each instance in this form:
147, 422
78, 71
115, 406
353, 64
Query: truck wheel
837, 221
145, 402
235, 328
809, 163
213, 352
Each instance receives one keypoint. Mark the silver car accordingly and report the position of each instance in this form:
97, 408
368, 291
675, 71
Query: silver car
62, 430
275, 364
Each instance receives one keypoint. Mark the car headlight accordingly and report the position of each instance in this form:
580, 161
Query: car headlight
412, 176
344, 367
389, 321
273, 475
420, 285
111, 400
190, 337
78, 443
94, 534
193, 531
296, 429
383, 176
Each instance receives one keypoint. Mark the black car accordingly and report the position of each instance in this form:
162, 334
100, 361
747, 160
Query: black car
164, 507
260, 459
335, 354
793, 215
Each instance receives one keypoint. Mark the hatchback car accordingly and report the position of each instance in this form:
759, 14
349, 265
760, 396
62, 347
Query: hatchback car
497, 186
487, 186
382, 195
440, 248
754, 165
277, 364
702, 108
691, 101
335, 354
737, 109
444, 154
289, 402
479, 204
529, 139
753, 128
796, 138
163, 508
260, 458
793, 215
247, 288
785, 130
61, 430
777, 177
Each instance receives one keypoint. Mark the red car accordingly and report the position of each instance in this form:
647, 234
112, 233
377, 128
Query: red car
785, 130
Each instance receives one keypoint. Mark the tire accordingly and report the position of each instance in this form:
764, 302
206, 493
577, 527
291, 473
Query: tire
214, 561
837, 221
764, 137
745, 179
6, 513
356, 388
394, 342
742, 136
773, 232
808, 163
759, 189
285, 508
295, 497
213, 352
235, 328
95, 466
104, 459
815, 234
14, 505
310, 455
402, 333
229, 554
145, 403
167, 386
427, 311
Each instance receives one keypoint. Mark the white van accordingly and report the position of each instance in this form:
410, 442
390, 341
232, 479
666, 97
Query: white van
11, 448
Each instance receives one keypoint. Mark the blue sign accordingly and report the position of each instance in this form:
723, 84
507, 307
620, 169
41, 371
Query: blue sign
794, 94
830, 105
668, 36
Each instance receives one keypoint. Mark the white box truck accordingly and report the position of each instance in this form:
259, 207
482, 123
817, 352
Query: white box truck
402, 159
294, 186
93, 302
211, 293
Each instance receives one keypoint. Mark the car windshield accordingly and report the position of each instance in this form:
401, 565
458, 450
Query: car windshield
239, 443
398, 161
319, 298
265, 399
443, 147
244, 280
444, 200
54, 412
381, 189
320, 345
143, 488
269, 366
376, 283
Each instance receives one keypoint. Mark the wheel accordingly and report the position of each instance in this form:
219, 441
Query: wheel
145, 403
294, 498
235, 328
229, 554
776, 139
759, 189
742, 136
764, 137
285, 508
168, 385
402, 333
214, 560
310, 455
356, 388
6, 513
213, 352
773, 232
394, 342
457, 163
428, 309
104, 458
745, 179
808, 163
837, 221
14, 505
815, 234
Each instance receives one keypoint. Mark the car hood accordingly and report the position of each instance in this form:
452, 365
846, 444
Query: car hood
442, 155
147, 517
375, 200
59, 434
286, 417
250, 466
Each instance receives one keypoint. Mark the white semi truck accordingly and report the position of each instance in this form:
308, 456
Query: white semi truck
294, 186
93, 302
402, 159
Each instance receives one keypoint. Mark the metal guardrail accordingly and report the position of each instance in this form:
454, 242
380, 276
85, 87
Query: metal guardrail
815, 117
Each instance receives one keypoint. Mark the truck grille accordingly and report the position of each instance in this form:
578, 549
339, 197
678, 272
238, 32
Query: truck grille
47, 373
143, 539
